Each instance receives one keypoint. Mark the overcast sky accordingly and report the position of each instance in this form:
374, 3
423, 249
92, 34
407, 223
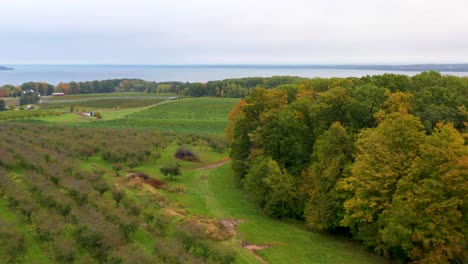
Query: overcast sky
233, 31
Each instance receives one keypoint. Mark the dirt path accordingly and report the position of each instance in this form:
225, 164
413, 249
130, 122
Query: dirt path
225, 219
213, 165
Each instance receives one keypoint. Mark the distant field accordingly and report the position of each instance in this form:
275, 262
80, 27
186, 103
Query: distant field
25, 114
191, 109
110, 102
191, 115
101, 95
214, 127
188, 115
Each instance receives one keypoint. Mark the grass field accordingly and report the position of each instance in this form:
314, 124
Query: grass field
106, 95
214, 193
191, 109
190, 115
134, 110
104, 102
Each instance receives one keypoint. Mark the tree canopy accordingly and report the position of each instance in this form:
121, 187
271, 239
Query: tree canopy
380, 158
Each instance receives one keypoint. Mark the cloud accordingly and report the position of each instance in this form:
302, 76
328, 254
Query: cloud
209, 31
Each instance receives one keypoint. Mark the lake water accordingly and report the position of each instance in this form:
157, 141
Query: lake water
54, 74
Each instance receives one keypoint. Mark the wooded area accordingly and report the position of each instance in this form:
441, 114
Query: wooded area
382, 159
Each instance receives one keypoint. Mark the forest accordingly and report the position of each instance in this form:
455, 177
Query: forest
381, 159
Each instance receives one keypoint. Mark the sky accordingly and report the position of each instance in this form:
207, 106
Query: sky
233, 31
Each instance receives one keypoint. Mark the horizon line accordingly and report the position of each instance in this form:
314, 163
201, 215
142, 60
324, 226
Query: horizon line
242, 64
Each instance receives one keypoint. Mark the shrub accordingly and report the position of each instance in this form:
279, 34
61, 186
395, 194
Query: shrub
186, 154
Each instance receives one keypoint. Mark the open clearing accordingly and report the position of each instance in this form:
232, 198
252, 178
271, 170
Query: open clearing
214, 193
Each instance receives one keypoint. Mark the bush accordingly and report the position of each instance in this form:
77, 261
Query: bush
185, 154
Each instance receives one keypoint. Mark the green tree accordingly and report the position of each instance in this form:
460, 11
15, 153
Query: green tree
425, 221
285, 138
29, 98
74, 88
366, 100
171, 169
274, 189
384, 157
251, 116
331, 161
116, 167
117, 195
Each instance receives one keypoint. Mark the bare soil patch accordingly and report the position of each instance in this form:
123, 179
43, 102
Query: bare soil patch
253, 248
231, 225
144, 178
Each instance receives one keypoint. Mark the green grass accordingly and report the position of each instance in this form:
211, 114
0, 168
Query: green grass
189, 115
100, 102
100, 95
219, 197
75, 119
27, 114
213, 127
190, 109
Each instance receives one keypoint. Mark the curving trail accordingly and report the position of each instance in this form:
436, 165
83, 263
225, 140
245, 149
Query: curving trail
213, 165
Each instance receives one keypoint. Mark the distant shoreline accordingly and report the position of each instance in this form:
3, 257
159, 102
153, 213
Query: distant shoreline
55, 74
463, 67
2, 68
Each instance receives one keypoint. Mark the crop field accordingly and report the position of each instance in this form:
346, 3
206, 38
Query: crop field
190, 108
189, 115
134, 110
27, 114
187, 126
104, 102
107, 95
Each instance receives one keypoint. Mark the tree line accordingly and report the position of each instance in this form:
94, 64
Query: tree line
226, 88
382, 159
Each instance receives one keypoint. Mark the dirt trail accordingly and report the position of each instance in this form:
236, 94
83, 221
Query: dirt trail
213, 165
253, 248
229, 224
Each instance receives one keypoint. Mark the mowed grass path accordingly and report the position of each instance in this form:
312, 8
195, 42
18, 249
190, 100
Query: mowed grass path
214, 193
